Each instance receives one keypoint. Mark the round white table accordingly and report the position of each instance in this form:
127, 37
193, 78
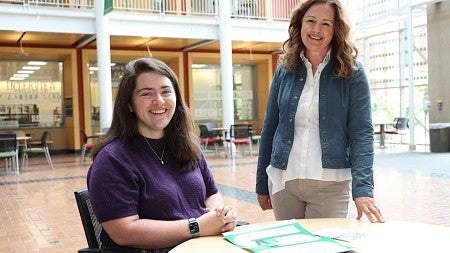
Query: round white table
392, 236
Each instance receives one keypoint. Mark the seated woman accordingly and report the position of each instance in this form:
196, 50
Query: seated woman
149, 184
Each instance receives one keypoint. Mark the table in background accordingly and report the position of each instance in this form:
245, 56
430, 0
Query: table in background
392, 236
382, 131
23, 139
22, 142
220, 129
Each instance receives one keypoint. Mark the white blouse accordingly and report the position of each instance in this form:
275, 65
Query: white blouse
305, 159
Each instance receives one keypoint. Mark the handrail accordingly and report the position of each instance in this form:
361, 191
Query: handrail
240, 9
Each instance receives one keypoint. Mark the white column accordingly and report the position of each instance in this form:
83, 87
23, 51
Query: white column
104, 65
226, 63
410, 60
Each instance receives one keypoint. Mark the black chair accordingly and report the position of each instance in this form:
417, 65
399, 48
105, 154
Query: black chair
214, 133
240, 135
207, 137
38, 147
401, 126
87, 145
9, 151
91, 226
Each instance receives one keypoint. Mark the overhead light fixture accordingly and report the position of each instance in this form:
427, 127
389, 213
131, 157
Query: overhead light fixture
31, 67
198, 66
37, 63
16, 78
95, 68
25, 71
21, 75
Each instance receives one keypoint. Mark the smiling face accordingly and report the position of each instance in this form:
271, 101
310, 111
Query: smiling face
318, 29
153, 102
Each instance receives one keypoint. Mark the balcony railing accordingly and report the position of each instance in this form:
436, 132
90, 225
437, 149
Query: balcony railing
272, 10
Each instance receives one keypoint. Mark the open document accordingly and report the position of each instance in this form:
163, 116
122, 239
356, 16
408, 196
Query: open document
285, 236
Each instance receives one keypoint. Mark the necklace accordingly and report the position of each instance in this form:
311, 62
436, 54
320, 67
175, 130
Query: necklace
162, 155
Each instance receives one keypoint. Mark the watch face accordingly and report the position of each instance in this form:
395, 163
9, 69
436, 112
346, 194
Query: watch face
193, 226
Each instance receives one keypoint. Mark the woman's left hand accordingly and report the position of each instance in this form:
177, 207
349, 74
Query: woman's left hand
368, 206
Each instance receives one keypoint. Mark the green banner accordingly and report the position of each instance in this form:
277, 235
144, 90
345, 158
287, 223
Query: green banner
108, 6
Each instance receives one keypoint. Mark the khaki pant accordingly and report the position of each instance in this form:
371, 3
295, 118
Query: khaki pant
305, 198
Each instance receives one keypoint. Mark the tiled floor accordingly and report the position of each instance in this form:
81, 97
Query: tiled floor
38, 212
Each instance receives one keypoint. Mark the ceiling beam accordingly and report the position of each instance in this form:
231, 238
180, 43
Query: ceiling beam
197, 45
86, 40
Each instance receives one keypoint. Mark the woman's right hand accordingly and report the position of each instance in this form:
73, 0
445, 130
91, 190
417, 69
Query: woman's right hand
210, 223
264, 202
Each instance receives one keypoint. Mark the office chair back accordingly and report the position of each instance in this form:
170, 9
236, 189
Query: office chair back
8, 142
38, 147
400, 127
241, 131
84, 136
9, 149
401, 123
207, 137
240, 134
85, 145
92, 227
204, 132
211, 126
44, 139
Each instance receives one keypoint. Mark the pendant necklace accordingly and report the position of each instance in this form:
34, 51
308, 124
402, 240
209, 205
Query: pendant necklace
162, 155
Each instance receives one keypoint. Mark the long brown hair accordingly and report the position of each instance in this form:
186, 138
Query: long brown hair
180, 136
343, 49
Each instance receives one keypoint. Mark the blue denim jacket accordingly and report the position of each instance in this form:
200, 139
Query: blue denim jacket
345, 125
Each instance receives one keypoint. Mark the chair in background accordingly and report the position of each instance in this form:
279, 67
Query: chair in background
87, 145
401, 126
207, 137
38, 147
92, 228
9, 151
256, 136
240, 135
211, 127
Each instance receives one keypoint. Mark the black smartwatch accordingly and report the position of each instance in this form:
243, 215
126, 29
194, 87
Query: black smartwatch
194, 228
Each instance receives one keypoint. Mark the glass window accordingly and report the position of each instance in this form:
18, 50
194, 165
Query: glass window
117, 70
31, 94
208, 92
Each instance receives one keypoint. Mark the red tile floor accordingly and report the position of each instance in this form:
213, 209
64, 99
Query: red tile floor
38, 212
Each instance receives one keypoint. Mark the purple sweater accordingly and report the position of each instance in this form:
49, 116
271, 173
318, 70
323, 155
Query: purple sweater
128, 179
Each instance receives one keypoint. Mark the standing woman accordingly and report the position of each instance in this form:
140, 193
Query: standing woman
149, 184
317, 137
